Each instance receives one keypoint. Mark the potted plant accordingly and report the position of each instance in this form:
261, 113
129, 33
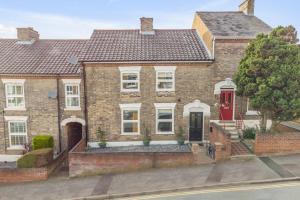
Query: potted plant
101, 135
180, 136
146, 136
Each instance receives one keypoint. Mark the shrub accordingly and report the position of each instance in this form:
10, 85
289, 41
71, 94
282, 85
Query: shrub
249, 133
101, 135
36, 158
42, 141
146, 136
180, 136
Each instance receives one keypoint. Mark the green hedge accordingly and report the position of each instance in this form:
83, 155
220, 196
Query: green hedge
249, 133
42, 141
36, 158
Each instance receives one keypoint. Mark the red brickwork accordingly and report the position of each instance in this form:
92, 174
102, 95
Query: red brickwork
288, 142
30, 174
85, 163
221, 139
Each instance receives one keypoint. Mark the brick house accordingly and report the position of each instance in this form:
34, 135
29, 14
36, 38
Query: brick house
124, 81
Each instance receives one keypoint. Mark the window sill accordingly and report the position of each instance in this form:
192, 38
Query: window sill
130, 91
72, 109
252, 112
166, 133
130, 134
15, 148
14, 109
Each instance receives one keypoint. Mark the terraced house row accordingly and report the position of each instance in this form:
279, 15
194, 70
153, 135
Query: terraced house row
124, 81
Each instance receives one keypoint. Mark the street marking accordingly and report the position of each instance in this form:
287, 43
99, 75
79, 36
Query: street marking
230, 189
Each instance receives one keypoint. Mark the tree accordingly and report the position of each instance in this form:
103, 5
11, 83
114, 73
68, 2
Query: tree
269, 75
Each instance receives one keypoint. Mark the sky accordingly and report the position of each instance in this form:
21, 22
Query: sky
77, 18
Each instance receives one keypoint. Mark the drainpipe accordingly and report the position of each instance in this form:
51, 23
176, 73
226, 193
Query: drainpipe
85, 103
4, 130
59, 114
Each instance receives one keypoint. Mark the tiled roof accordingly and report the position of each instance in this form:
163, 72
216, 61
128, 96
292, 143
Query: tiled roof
131, 46
46, 57
233, 24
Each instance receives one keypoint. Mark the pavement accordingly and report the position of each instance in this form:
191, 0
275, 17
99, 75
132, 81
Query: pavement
235, 171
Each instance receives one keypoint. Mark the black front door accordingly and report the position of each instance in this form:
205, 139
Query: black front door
196, 126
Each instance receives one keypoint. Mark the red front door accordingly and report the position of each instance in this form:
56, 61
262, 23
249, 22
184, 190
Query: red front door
226, 104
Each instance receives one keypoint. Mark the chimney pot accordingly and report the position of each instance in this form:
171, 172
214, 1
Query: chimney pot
247, 7
147, 25
27, 34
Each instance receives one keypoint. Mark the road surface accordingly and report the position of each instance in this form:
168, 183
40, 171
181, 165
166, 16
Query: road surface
272, 191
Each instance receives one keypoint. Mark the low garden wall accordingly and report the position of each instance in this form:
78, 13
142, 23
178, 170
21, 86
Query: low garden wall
89, 163
220, 138
11, 175
288, 142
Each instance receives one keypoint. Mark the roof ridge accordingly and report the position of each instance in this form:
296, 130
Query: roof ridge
219, 11
158, 29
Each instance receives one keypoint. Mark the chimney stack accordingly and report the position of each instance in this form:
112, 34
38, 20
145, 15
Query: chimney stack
27, 34
247, 7
147, 26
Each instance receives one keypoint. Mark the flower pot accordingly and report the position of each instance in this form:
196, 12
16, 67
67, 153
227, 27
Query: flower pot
180, 141
146, 142
102, 145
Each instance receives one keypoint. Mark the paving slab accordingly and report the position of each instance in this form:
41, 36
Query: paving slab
290, 163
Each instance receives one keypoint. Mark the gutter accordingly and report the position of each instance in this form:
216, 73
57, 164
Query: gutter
147, 62
85, 103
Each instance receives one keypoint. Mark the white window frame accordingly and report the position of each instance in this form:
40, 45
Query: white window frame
250, 112
132, 70
16, 119
14, 82
72, 82
165, 69
161, 106
131, 107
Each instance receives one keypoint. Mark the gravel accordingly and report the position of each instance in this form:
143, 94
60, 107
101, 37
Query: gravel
151, 148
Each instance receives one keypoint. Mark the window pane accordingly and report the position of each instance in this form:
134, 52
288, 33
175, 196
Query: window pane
164, 126
18, 140
164, 75
130, 115
18, 90
73, 101
17, 127
165, 85
132, 85
165, 114
15, 101
130, 76
130, 127
72, 90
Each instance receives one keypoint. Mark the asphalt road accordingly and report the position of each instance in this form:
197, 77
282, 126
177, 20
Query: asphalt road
274, 191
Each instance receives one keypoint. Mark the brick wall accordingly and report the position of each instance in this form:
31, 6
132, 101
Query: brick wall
288, 142
42, 111
86, 163
221, 139
31, 174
